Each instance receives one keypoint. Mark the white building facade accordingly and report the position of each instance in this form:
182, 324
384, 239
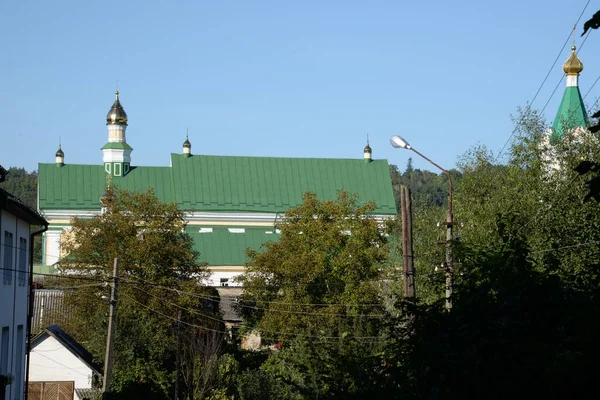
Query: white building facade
16, 221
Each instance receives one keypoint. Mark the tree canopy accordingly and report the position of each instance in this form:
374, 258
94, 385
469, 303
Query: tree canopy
159, 276
22, 184
317, 292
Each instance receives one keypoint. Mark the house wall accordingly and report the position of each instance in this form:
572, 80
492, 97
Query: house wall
51, 361
14, 281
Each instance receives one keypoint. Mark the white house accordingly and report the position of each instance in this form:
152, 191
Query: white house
60, 364
16, 220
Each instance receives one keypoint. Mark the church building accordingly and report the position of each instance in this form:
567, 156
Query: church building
231, 202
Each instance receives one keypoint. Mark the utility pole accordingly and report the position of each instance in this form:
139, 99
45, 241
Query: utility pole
407, 253
449, 253
111, 330
401, 143
177, 355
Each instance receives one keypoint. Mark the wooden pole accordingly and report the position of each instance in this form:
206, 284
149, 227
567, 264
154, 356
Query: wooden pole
178, 355
449, 252
407, 253
111, 330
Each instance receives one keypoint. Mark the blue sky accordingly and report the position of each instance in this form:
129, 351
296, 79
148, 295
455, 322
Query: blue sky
279, 78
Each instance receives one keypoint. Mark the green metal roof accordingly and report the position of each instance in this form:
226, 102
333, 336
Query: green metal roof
222, 247
79, 187
223, 183
117, 145
571, 113
272, 184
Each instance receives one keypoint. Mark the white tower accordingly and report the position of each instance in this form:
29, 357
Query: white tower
116, 153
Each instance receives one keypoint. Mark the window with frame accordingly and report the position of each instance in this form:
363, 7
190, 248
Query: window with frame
22, 261
8, 257
4, 350
19, 361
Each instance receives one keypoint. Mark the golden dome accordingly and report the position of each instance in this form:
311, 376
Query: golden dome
573, 66
116, 115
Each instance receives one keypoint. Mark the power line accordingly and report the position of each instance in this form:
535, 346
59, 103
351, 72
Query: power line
170, 317
224, 332
559, 54
190, 310
211, 298
590, 89
567, 247
562, 77
546, 77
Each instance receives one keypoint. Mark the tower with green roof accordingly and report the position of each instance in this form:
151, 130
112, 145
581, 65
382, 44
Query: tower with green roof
571, 115
116, 153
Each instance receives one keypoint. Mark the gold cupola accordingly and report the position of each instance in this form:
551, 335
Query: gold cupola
116, 115
573, 66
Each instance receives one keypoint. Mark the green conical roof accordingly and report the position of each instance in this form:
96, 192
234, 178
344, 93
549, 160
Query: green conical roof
571, 113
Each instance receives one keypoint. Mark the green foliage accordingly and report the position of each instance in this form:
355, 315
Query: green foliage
325, 265
318, 293
22, 184
159, 277
525, 313
428, 189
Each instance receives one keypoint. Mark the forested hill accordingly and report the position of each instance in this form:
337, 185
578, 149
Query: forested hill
428, 189
22, 184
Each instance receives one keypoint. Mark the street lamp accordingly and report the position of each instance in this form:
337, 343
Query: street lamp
401, 143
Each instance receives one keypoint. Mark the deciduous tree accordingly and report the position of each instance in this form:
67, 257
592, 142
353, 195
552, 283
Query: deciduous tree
159, 275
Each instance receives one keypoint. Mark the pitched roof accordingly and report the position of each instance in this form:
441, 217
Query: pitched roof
571, 113
88, 393
70, 344
223, 183
3, 173
15, 206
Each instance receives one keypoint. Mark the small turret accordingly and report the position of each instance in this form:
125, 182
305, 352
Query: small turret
60, 157
367, 152
187, 147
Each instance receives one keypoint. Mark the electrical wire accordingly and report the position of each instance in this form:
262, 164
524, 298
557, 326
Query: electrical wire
240, 303
559, 54
210, 297
566, 247
61, 364
562, 77
590, 89
544, 81
224, 332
